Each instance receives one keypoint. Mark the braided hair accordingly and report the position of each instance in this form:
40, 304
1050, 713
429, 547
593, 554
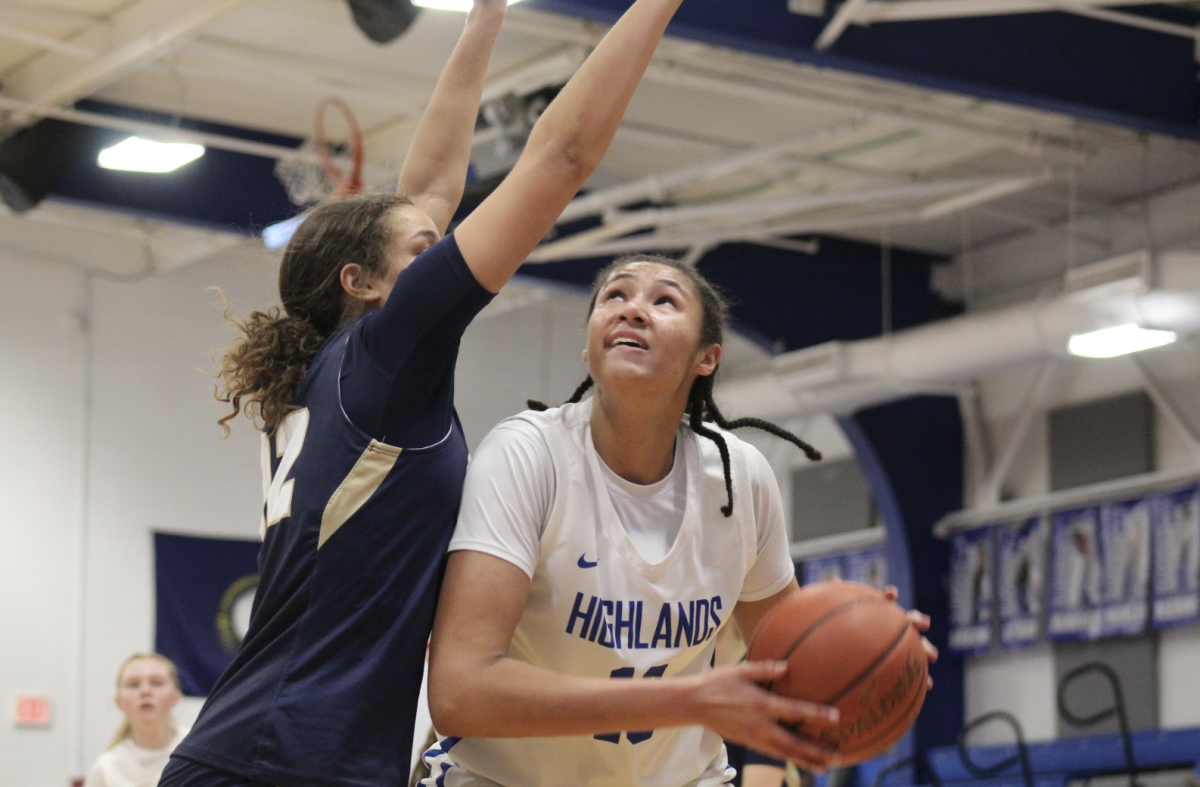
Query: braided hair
700, 404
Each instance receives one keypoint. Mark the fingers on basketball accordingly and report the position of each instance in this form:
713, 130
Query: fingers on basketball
849, 646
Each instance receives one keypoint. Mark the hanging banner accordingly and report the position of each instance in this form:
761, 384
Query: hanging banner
1076, 580
820, 569
1175, 526
868, 566
1021, 581
971, 583
205, 590
1125, 557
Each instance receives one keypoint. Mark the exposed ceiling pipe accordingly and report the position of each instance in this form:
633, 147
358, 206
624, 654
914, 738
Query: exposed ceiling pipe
657, 187
842, 377
751, 219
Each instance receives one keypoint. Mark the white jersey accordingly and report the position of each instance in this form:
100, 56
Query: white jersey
129, 765
536, 495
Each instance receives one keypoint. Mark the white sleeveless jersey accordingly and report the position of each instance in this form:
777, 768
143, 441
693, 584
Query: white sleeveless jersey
597, 608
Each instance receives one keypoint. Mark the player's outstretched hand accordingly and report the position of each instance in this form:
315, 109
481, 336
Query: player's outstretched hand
732, 702
921, 621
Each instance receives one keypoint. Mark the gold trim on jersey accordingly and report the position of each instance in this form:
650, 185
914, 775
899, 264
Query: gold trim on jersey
365, 477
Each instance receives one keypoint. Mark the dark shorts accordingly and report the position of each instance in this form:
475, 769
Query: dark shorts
185, 773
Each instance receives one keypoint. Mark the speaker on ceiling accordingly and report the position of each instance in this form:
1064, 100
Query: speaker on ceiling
36, 158
383, 21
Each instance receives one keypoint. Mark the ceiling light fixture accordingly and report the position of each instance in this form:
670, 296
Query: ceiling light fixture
450, 5
143, 155
277, 235
1121, 340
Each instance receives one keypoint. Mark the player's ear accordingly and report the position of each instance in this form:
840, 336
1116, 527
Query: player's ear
708, 359
356, 283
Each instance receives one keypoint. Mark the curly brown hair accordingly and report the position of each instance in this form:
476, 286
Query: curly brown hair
261, 370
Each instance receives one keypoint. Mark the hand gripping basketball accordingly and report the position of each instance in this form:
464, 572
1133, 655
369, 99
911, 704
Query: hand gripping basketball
732, 702
852, 647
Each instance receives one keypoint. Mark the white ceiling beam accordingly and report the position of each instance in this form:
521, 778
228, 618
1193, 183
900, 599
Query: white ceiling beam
15, 33
1015, 268
320, 78
847, 13
660, 241
1130, 20
155, 131
1026, 141
763, 219
767, 209
138, 34
923, 10
988, 193
657, 187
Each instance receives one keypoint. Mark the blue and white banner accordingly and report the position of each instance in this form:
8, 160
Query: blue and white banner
205, 590
1175, 529
971, 582
1125, 557
868, 566
1076, 579
821, 569
1021, 581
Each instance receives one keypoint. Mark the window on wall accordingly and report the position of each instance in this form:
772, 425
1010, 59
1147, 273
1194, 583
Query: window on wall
1101, 441
830, 498
1090, 443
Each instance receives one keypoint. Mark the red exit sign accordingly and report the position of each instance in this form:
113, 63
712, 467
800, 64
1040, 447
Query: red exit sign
33, 711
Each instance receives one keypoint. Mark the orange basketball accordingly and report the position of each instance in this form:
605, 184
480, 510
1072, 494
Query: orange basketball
849, 647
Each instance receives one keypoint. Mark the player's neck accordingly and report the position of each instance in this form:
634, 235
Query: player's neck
636, 441
152, 736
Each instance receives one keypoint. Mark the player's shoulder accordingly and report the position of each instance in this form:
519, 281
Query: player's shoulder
567, 416
735, 444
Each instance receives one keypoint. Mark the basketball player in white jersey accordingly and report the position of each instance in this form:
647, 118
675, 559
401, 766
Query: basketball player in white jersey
599, 549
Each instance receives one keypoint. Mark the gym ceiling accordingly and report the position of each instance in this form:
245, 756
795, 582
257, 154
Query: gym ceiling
810, 154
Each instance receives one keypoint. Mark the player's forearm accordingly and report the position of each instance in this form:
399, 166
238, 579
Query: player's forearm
581, 122
436, 165
512, 699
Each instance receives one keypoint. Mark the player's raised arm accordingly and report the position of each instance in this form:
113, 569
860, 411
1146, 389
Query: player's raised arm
564, 148
435, 170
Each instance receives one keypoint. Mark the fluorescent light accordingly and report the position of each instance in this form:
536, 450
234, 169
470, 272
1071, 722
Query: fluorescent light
276, 236
1121, 340
143, 155
450, 5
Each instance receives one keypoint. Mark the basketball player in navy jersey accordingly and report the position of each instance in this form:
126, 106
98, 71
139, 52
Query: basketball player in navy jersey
364, 456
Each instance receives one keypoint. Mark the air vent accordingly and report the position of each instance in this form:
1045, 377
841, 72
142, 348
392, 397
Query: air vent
819, 365
1127, 273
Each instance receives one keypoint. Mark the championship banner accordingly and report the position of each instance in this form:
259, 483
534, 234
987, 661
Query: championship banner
1076, 580
205, 590
1021, 581
868, 566
971, 583
1125, 558
1175, 526
820, 569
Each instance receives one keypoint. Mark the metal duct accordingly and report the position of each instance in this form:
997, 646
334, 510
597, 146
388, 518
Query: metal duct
841, 377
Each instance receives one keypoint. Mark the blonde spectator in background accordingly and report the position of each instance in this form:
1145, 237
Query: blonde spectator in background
147, 691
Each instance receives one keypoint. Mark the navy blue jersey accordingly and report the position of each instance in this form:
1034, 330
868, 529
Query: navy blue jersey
324, 689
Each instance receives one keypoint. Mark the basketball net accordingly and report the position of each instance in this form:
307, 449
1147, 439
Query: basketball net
315, 172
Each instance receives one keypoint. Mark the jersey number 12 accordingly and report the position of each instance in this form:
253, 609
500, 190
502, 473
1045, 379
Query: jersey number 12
286, 444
